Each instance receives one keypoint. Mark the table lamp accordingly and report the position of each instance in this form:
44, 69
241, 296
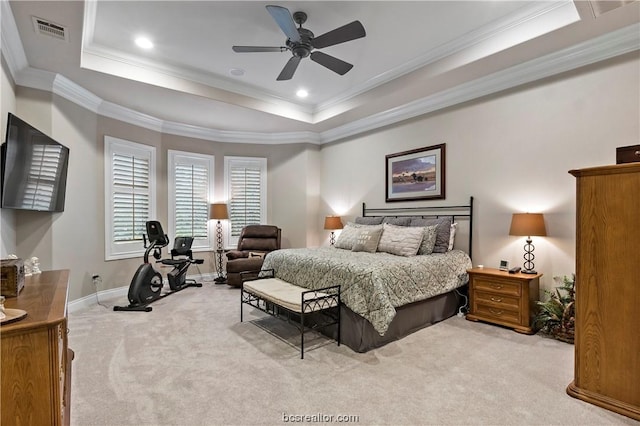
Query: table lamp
528, 224
332, 223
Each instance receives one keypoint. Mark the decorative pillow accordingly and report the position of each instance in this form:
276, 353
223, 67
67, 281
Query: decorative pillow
399, 221
428, 239
452, 236
370, 220
400, 240
443, 234
367, 239
349, 234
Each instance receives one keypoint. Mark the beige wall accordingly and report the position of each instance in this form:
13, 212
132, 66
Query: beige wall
511, 152
75, 238
7, 104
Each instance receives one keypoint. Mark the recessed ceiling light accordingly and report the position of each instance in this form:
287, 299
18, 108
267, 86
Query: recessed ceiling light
238, 72
144, 42
302, 93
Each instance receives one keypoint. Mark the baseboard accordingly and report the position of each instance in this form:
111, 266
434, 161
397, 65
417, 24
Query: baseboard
120, 292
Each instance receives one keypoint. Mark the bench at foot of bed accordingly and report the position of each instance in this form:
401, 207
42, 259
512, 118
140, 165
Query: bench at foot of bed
280, 298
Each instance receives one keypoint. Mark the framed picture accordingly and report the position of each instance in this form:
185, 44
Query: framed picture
416, 175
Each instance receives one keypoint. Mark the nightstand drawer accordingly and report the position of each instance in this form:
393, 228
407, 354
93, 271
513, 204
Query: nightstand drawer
500, 314
498, 300
496, 285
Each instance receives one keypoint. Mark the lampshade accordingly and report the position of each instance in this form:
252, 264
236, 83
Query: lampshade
218, 211
528, 224
332, 222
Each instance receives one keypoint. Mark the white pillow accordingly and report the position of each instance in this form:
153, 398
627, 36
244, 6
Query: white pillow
452, 235
400, 240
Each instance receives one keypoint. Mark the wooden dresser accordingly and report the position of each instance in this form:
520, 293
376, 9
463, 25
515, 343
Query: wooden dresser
607, 336
502, 298
36, 362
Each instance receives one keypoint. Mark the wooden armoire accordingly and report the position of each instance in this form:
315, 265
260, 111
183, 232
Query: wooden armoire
607, 306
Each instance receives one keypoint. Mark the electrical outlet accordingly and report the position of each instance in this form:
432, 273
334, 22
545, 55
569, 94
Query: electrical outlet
97, 280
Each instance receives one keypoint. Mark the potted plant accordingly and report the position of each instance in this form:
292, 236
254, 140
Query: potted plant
556, 316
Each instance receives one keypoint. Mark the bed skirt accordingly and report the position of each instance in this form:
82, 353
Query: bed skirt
358, 333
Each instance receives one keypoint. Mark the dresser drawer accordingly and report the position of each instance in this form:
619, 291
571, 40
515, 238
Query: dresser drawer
497, 300
496, 285
497, 314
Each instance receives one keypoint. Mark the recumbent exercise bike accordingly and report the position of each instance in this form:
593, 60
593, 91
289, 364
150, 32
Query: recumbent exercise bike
146, 285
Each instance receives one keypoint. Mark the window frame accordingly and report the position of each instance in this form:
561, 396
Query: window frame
125, 250
199, 244
235, 161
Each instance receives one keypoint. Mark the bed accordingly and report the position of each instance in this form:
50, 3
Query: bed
386, 293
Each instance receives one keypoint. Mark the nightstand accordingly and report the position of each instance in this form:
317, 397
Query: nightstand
502, 298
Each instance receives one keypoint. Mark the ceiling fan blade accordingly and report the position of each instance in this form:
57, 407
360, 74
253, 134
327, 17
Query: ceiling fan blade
247, 49
283, 18
334, 64
289, 69
347, 32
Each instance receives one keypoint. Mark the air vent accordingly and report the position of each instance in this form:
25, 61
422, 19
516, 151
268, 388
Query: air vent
48, 28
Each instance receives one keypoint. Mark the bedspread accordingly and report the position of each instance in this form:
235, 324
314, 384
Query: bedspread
373, 284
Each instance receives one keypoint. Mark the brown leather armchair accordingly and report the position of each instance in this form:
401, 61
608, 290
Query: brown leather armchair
254, 243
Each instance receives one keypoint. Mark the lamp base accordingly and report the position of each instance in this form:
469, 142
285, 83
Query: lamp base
220, 280
528, 271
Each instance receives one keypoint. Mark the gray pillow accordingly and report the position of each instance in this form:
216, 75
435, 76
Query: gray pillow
369, 220
443, 233
367, 239
349, 234
400, 240
398, 221
428, 239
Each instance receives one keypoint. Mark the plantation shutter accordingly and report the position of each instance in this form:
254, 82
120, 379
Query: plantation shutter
131, 196
191, 200
43, 174
246, 190
246, 202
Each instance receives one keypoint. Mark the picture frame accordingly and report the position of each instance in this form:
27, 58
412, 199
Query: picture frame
418, 174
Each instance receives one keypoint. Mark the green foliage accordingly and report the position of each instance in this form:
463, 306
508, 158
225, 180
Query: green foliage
556, 315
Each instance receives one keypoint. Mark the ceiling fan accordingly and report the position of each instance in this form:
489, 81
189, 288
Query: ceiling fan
301, 42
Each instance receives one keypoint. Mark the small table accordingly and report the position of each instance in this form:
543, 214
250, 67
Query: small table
502, 298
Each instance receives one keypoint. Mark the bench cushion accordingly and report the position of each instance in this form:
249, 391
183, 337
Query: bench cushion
283, 293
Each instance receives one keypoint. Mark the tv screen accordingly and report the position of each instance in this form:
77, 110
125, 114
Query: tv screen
34, 169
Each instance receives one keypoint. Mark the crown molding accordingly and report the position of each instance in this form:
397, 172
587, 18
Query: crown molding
607, 46
11, 45
531, 14
75, 93
600, 48
240, 137
128, 115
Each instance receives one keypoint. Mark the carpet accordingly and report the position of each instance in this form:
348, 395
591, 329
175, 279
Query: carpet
192, 362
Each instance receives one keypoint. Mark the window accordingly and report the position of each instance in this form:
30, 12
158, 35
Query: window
130, 170
246, 190
190, 184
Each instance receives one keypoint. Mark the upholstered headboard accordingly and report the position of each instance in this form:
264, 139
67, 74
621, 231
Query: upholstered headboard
460, 214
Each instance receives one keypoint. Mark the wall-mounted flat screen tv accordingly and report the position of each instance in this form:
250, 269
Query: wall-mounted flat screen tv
34, 169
